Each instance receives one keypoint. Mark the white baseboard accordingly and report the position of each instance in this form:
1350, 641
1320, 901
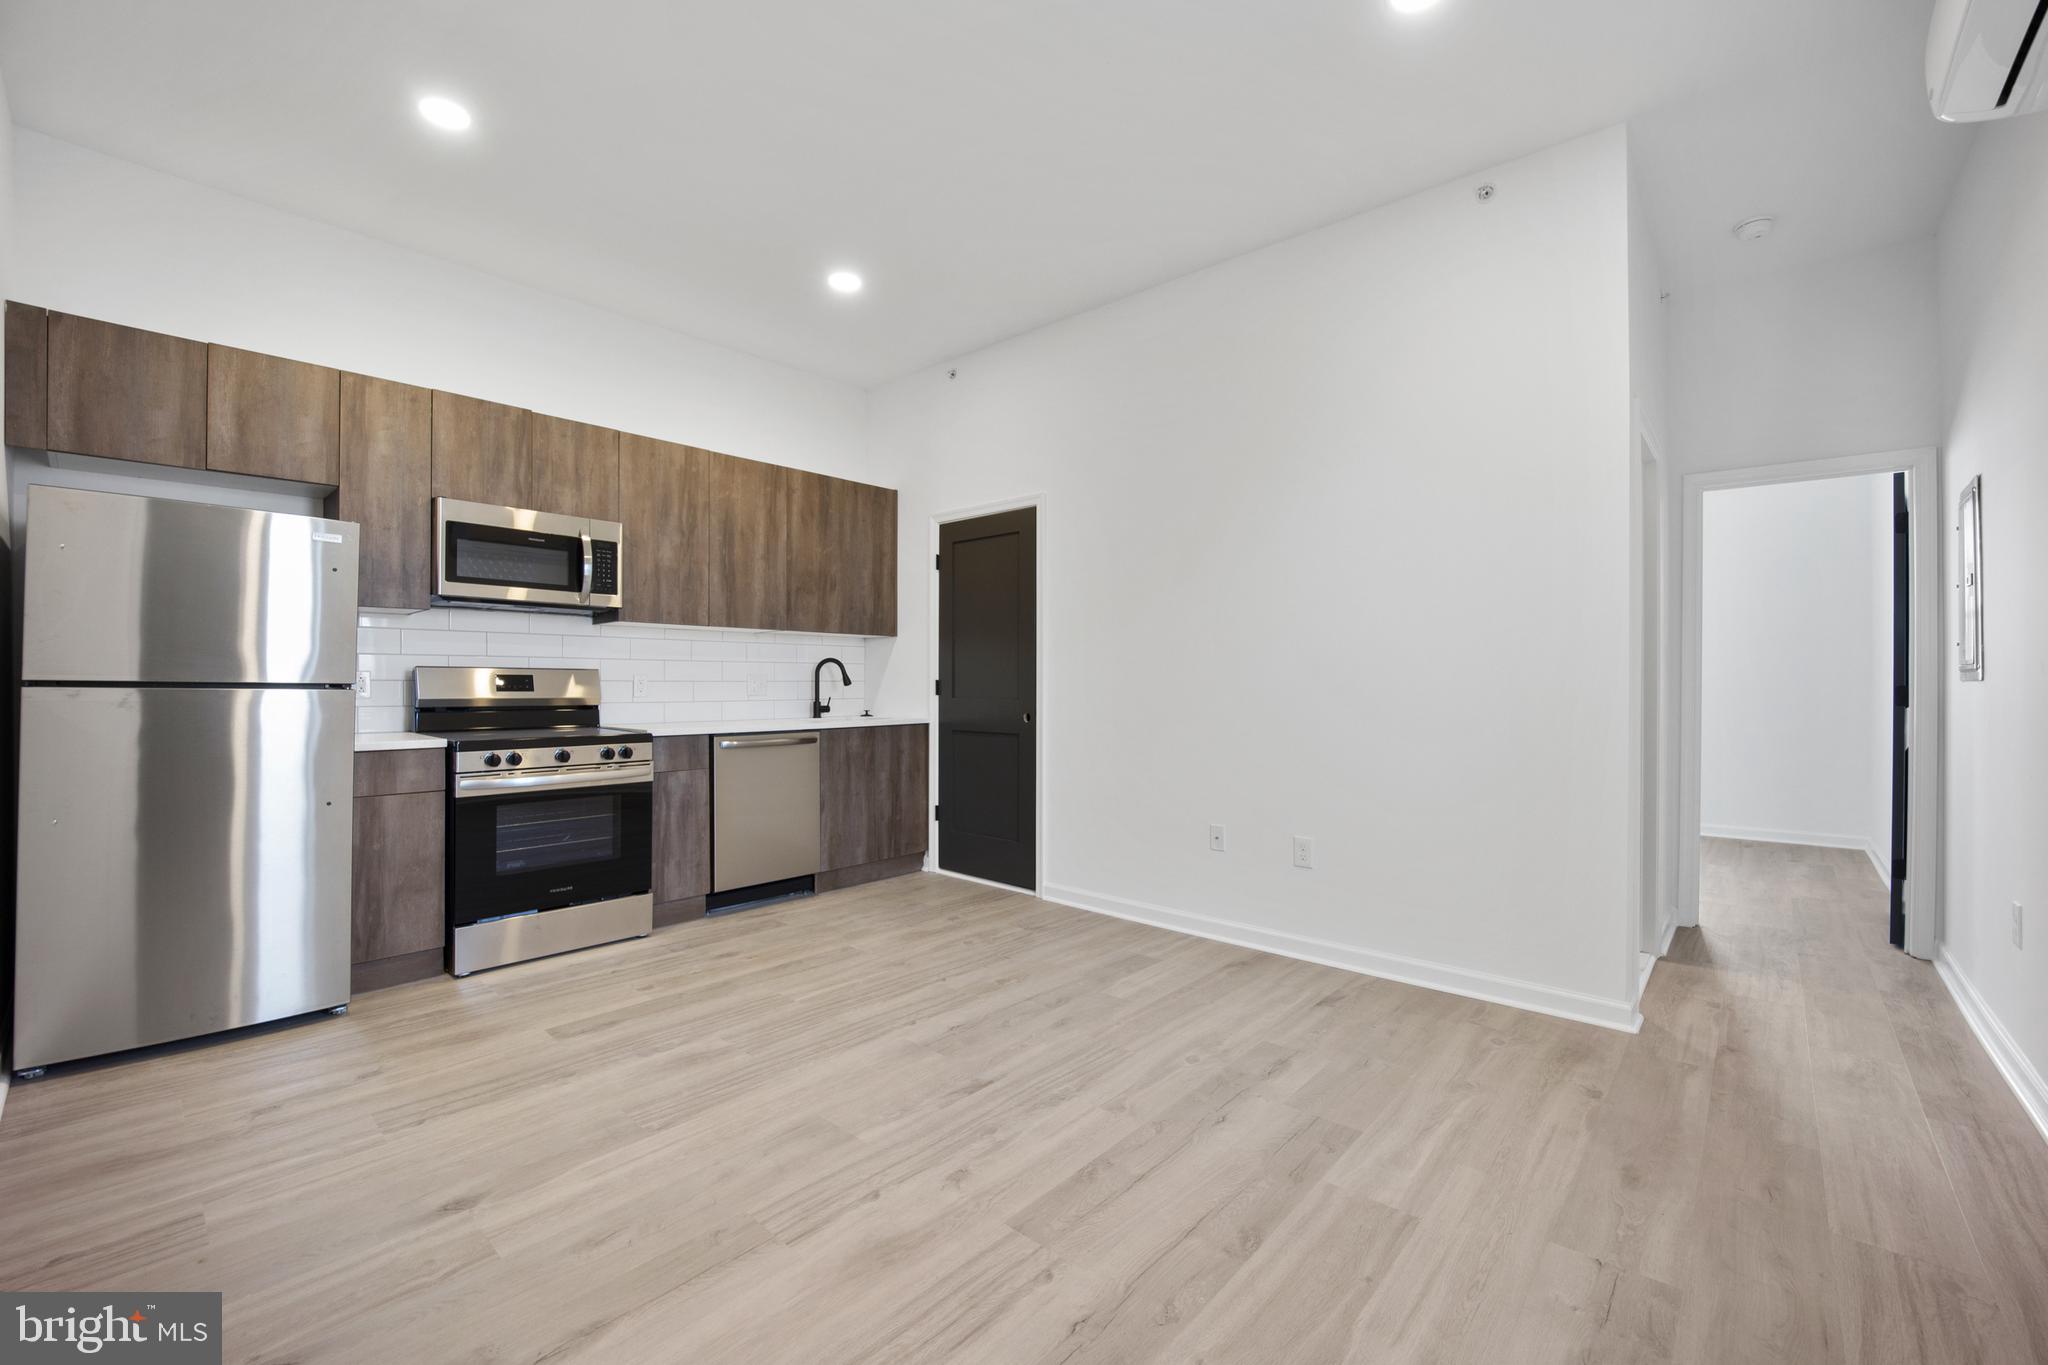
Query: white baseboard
1500, 990
1878, 859
2005, 1054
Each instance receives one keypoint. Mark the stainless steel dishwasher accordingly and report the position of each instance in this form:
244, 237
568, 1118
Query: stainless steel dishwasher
764, 813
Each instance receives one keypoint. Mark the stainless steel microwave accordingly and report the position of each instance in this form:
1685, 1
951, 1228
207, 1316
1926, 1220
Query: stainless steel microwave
514, 557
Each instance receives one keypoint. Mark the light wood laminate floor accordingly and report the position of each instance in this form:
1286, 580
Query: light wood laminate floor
927, 1121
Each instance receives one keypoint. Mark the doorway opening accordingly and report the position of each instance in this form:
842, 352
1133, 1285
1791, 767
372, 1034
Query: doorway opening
1812, 680
986, 809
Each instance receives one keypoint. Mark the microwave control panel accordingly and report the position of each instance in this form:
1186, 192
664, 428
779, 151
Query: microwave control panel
604, 567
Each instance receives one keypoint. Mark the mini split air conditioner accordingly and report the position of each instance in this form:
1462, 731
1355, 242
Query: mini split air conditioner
1985, 59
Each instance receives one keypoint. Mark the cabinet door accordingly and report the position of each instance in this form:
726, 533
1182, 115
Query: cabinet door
28, 376
276, 418
662, 584
385, 483
842, 556
738, 533
126, 394
682, 835
480, 451
398, 862
871, 790
574, 467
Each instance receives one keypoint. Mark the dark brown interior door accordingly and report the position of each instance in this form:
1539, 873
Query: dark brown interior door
988, 685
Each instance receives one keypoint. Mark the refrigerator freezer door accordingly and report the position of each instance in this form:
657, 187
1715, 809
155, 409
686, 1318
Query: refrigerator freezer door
128, 589
184, 863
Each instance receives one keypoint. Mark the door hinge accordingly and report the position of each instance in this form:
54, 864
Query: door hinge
1900, 524
936, 690
938, 561
1899, 697
935, 812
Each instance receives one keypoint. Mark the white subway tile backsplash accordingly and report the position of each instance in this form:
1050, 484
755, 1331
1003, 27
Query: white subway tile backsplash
692, 672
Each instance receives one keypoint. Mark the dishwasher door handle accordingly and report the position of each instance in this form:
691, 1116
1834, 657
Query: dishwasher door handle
767, 741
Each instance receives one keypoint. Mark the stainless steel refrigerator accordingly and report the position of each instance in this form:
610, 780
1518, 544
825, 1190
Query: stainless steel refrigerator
186, 771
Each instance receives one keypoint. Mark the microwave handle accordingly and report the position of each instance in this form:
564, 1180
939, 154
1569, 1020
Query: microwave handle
589, 564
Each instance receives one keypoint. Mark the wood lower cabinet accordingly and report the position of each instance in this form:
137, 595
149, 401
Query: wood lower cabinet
872, 803
385, 483
480, 451
126, 394
842, 556
682, 843
271, 417
573, 466
397, 930
28, 376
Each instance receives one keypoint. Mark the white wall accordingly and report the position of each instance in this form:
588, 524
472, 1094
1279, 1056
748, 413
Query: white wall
1835, 359
1655, 577
107, 238
1795, 717
1994, 341
111, 239
1336, 542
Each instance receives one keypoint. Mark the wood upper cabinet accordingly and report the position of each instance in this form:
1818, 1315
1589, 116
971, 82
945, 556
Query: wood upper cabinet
872, 804
272, 417
385, 483
480, 451
574, 467
842, 556
660, 582
125, 393
28, 376
738, 531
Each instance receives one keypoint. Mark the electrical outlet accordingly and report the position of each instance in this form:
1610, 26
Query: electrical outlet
1304, 852
1216, 838
643, 686
362, 682
757, 682
2019, 925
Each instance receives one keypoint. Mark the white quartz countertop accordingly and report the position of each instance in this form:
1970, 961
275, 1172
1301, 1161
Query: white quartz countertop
762, 727
379, 741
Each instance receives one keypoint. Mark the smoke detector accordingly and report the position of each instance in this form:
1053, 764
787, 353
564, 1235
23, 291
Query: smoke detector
1754, 229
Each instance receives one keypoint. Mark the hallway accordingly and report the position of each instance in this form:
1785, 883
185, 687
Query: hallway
1857, 1142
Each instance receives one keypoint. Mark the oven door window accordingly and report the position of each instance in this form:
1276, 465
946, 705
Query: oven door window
498, 557
545, 850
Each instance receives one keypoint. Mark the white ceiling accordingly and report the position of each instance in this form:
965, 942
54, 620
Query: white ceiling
989, 165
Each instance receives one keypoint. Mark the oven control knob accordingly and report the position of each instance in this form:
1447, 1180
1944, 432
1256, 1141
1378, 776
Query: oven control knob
514, 760
491, 760
606, 753
625, 751
561, 755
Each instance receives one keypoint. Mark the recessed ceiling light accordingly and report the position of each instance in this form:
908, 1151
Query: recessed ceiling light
1412, 6
1754, 229
843, 282
443, 112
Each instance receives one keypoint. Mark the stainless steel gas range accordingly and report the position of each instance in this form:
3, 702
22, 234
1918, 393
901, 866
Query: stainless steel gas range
550, 814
